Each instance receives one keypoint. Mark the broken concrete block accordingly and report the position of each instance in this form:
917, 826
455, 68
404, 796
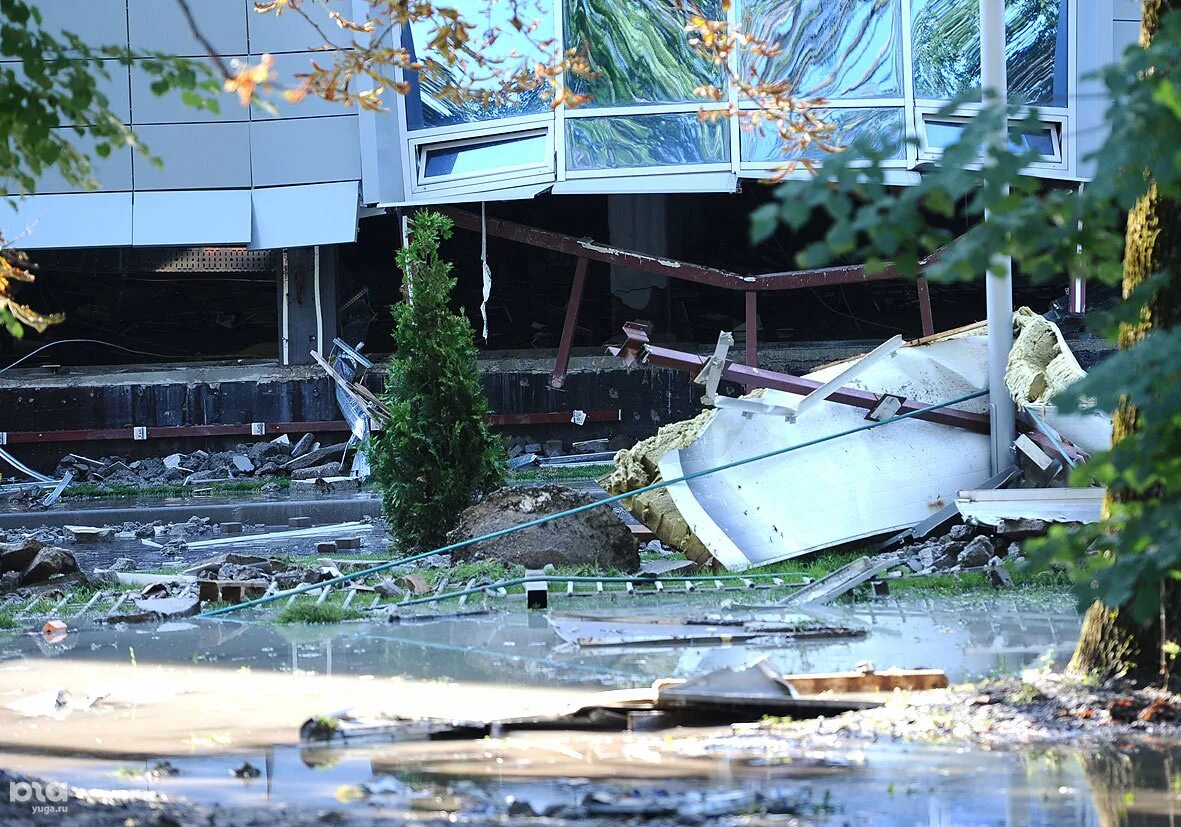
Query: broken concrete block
317, 457
328, 469
163, 608
122, 564
1000, 579
960, 532
303, 445
17, 556
554, 448
231, 528
326, 548
326, 485
590, 446
388, 588
348, 542
1014, 550
533, 448
49, 562
282, 441
1019, 529
88, 534
241, 463
976, 553
300, 522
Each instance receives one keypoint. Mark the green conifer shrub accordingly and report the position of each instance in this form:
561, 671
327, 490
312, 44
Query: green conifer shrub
436, 455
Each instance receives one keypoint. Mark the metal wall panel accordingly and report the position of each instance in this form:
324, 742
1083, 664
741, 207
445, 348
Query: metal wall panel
304, 216
160, 26
98, 22
196, 156
292, 33
162, 219
148, 108
93, 219
305, 151
112, 173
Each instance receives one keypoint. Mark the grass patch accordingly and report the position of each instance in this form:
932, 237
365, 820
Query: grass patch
301, 612
7, 621
559, 473
100, 491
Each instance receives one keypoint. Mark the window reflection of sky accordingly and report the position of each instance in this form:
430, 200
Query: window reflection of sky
645, 141
510, 51
479, 158
831, 48
883, 128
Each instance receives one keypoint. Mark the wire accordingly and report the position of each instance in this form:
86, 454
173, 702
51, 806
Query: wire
614, 498
33, 353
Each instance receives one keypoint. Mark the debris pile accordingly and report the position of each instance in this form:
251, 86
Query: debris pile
597, 537
971, 547
305, 458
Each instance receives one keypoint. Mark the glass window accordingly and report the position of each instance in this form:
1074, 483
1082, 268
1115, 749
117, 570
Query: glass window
883, 128
946, 40
639, 50
645, 141
942, 133
475, 159
510, 52
829, 48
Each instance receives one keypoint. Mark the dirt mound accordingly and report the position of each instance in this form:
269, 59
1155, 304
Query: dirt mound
597, 537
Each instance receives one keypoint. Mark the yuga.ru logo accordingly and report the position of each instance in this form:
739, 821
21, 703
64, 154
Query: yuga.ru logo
49, 797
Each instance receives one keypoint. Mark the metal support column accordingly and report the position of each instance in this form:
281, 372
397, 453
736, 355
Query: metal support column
558, 377
999, 279
752, 329
925, 314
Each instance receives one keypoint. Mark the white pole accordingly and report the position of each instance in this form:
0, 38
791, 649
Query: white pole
998, 288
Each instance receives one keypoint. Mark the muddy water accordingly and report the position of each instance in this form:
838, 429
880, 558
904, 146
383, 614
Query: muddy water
207, 696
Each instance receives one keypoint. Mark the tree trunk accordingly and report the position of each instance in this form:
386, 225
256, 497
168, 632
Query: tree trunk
1111, 642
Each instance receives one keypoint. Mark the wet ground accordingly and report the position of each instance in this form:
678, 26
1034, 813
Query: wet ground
103, 708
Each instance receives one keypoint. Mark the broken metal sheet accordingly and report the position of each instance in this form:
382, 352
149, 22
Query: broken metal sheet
238, 539
852, 488
24, 469
1052, 505
833, 585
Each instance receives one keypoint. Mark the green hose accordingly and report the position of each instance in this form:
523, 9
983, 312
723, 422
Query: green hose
307, 587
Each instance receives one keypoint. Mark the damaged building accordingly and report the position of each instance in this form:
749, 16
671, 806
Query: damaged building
198, 289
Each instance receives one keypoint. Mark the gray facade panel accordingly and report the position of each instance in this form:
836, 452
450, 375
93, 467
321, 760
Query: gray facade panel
112, 173
291, 32
162, 219
305, 151
94, 219
149, 108
98, 22
160, 26
196, 156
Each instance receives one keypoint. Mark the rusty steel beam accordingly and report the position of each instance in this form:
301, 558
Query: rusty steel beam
558, 377
637, 348
661, 265
590, 249
925, 314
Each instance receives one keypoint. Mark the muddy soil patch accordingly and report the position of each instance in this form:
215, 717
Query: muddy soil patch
597, 537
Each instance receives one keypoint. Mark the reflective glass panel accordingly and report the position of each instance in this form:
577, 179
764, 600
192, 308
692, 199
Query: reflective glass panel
946, 40
645, 141
511, 51
639, 50
883, 128
942, 133
830, 48
472, 159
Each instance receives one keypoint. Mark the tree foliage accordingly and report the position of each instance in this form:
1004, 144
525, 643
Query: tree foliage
1050, 233
436, 454
54, 115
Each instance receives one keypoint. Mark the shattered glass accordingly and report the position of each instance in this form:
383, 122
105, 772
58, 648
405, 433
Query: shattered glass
946, 45
830, 48
645, 141
883, 128
510, 51
639, 51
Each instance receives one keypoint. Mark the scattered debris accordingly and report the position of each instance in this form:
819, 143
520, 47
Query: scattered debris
832, 586
1036, 505
590, 632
